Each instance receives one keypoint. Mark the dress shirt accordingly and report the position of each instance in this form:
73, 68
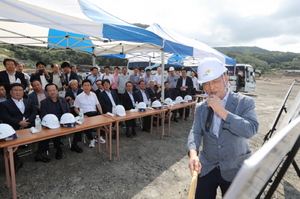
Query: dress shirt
12, 78
115, 77
111, 98
157, 78
184, 82
145, 96
131, 97
85, 102
172, 79
20, 105
217, 119
93, 79
121, 81
109, 77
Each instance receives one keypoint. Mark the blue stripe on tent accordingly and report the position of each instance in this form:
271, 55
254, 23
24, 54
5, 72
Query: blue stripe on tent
69, 40
97, 14
176, 60
134, 34
228, 60
177, 49
115, 56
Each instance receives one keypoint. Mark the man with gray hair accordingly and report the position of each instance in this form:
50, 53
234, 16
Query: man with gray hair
121, 81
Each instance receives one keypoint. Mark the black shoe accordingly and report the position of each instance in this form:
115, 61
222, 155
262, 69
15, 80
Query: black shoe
40, 158
76, 148
175, 119
18, 166
146, 129
185, 118
58, 154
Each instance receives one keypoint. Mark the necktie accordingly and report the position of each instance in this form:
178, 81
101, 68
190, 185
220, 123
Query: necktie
67, 81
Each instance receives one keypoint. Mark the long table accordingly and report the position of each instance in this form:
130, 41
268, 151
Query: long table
184, 105
133, 115
26, 137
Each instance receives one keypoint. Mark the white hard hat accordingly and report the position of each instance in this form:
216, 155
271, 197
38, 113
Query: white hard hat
171, 68
50, 121
68, 120
210, 69
120, 110
142, 106
168, 101
6, 130
188, 98
178, 100
156, 104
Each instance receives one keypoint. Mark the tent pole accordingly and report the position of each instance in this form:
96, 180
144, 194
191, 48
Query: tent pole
162, 76
94, 57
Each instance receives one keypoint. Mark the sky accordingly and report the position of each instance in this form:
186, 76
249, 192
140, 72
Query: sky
269, 24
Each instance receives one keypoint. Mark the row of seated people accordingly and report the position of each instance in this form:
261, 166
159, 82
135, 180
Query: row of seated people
20, 113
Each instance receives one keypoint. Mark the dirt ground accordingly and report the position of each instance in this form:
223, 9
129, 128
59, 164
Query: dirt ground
147, 167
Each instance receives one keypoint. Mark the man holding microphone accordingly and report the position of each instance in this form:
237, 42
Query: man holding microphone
223, 123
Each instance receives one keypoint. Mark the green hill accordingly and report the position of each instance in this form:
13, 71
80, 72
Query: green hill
262, 59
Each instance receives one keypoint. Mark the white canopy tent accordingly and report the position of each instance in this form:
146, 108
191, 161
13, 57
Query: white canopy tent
69, 24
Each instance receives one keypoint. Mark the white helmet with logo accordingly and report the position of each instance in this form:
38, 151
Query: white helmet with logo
178, 100
142, 106
68, 120
156, 104
188, 98
210, 69
50, 121
120, 110
168, 101
6, 130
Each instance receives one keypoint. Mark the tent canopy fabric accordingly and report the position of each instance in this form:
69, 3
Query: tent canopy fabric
66, 24
199, 50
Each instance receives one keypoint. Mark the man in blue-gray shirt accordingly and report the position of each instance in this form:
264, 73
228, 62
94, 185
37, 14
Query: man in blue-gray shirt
224, 136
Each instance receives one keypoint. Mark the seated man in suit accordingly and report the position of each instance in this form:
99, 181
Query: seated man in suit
185, 86
108, 98
41, 74
129, 103
142, 95
52, 105
18, 112
72, 93
38, 94
87, 101
154, 93
169, 93
10, 75
100, 89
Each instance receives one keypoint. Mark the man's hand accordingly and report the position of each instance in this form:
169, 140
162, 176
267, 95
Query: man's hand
24, 123
216, 104
194, 163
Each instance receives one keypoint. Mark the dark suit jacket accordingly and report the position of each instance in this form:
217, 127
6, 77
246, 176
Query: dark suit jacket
154, 95
73, 75
98, 92
11, 114
5, 80
47, 106
105, 101
69, 93
34, 98
189, 83
139, 97
170, 94
126, 101
37, 77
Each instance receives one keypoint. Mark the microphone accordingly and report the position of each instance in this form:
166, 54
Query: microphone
209, 119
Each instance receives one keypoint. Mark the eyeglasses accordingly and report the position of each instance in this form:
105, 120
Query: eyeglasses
213, 82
